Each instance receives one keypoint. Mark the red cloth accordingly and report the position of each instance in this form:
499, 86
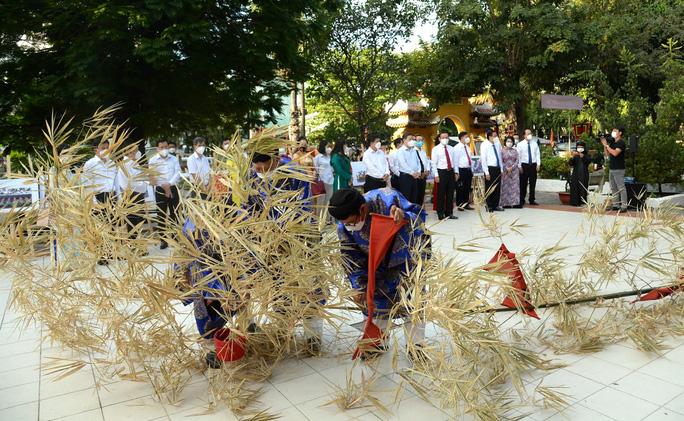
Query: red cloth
657, 294
470, 163
506, 262
382, 232
446, 153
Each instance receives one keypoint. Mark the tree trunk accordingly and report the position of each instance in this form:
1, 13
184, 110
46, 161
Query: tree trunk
520, 117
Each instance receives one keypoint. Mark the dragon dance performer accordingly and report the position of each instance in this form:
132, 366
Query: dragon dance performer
353, 211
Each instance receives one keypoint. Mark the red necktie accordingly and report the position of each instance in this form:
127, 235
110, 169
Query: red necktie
446, 152
465, 148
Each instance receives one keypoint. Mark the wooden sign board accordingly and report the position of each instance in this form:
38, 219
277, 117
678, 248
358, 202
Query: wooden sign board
561, 102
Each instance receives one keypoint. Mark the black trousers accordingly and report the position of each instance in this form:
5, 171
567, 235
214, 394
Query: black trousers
408, 186
394, 182
373, 183
421, 184
464, 186
445, 192
134, 219
528, 176
493, 184
167, 207
103, 197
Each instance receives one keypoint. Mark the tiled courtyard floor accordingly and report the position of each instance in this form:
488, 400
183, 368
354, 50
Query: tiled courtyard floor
618, 383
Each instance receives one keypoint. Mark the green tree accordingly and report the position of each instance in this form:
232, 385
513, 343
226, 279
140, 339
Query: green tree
176, 65
511, 47
359, 71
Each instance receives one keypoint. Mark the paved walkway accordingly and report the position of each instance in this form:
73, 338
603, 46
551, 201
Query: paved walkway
619, 383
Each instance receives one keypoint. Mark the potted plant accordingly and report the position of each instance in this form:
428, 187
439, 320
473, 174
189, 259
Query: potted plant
557, 167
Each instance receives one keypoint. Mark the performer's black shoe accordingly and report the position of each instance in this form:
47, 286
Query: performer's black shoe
440, 217
163, 245
469, 208
212, 361
533, 203
417, 354
253, 328
103, 262
518, 206
499, 209
373, 352
452, 217
460, 209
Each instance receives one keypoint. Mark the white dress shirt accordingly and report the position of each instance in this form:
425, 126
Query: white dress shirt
462, 154
323, 168
393, 161
524, 155
407, 161
99, 176
130, 177
439, 161
376, 163
488, 155
199, 165
165, 170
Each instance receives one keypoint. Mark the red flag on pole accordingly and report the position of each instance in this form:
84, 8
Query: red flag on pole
658, 293
509, 265
382, 232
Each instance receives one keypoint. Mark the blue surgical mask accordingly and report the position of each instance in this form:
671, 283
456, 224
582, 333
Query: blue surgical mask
419, 144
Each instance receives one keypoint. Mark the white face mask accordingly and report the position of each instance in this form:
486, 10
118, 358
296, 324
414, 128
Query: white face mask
328, 151
172, 151
104, 155
496, 139
138, 155
411, 143
200, 150
347, 150
467, 140
580, 150
444, 141
355, 227
509, 144
226, 146
378, 145
282, 151
163, 153
614, 134
528, 137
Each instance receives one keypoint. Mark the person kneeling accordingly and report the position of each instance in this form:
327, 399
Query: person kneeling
353, 212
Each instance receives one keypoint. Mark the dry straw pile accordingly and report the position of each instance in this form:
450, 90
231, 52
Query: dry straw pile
128, 316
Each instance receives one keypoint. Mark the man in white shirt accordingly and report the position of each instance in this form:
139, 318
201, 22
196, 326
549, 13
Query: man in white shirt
99, 178
490, 156
426, 169
464, 164
99, 174
529, 163
377, 167
446, 174
199, 168
409, 165
392, 158
132, 186
165, 173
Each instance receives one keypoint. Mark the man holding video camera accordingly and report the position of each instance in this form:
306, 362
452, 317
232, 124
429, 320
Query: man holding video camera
614, 147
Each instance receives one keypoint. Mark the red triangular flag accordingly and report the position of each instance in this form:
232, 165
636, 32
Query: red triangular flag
657, 294
509, 265
382, 232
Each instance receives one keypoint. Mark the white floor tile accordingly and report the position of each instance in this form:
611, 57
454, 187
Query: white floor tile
676, 404
19, 395
136, 409
124, 390
290, 369
201, 413
21, 412
292, 414
626, 356
81, 380
598, 370
665, 369
320, 409
27, 359
15, 348
414, 409
574, 385
578, 412
304, 389
92, 415
619, 405
648, 388
664, 414
70, 404
19, 377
